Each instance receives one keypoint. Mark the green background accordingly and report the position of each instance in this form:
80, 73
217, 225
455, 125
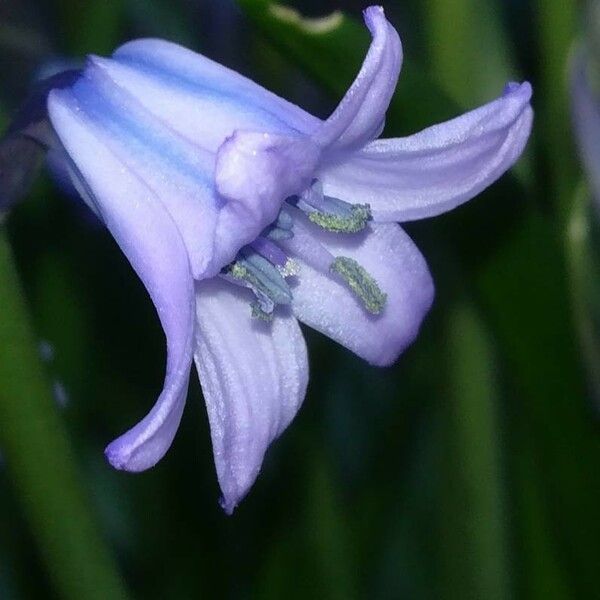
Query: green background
470, 469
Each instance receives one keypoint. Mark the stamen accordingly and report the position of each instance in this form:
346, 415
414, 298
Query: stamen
360, 282
354, 220
280, 229
274, 254
263, 266
277, 235
332, 213
284, 220
259, 313
263, 303
263, 278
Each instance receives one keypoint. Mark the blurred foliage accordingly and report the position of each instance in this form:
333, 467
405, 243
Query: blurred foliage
39, 458
447, 44
583, 251
469, 469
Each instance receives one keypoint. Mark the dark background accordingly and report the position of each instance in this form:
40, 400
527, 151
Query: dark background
467, 470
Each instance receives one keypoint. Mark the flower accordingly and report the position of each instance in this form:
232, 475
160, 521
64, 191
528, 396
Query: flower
243, 214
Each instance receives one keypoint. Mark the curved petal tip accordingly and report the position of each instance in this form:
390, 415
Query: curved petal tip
523, 89
437, 169
253, 378
357, 119
146, 443
372, 14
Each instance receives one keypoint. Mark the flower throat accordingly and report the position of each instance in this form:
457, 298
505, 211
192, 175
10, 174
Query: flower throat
264, 267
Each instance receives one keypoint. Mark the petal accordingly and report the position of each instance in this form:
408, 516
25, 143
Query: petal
179, 173
437, 169
197, 97
254, 378
326, 304
255, 173
152, 243
359, 117
586, 119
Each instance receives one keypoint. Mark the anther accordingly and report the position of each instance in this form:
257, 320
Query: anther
259, 313
265, 279
354, 217
360, 282
332, 213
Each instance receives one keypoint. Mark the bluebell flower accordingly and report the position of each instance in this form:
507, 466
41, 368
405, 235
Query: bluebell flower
243, 215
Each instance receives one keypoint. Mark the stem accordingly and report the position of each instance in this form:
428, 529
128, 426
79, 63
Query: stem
40, 460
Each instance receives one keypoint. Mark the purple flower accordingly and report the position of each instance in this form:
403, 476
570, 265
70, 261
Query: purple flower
242, 214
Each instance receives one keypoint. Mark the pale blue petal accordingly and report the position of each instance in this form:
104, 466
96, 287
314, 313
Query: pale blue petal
254, 173
151, 241
219, 202
439, 168
254, 377
358, 118
179, 173
325, 303
199, 98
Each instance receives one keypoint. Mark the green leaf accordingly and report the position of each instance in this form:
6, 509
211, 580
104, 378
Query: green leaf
327, 533
555, 26
583, 252
162, 18
474, 514
40, 460
93, 27
457, 53
524, 289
